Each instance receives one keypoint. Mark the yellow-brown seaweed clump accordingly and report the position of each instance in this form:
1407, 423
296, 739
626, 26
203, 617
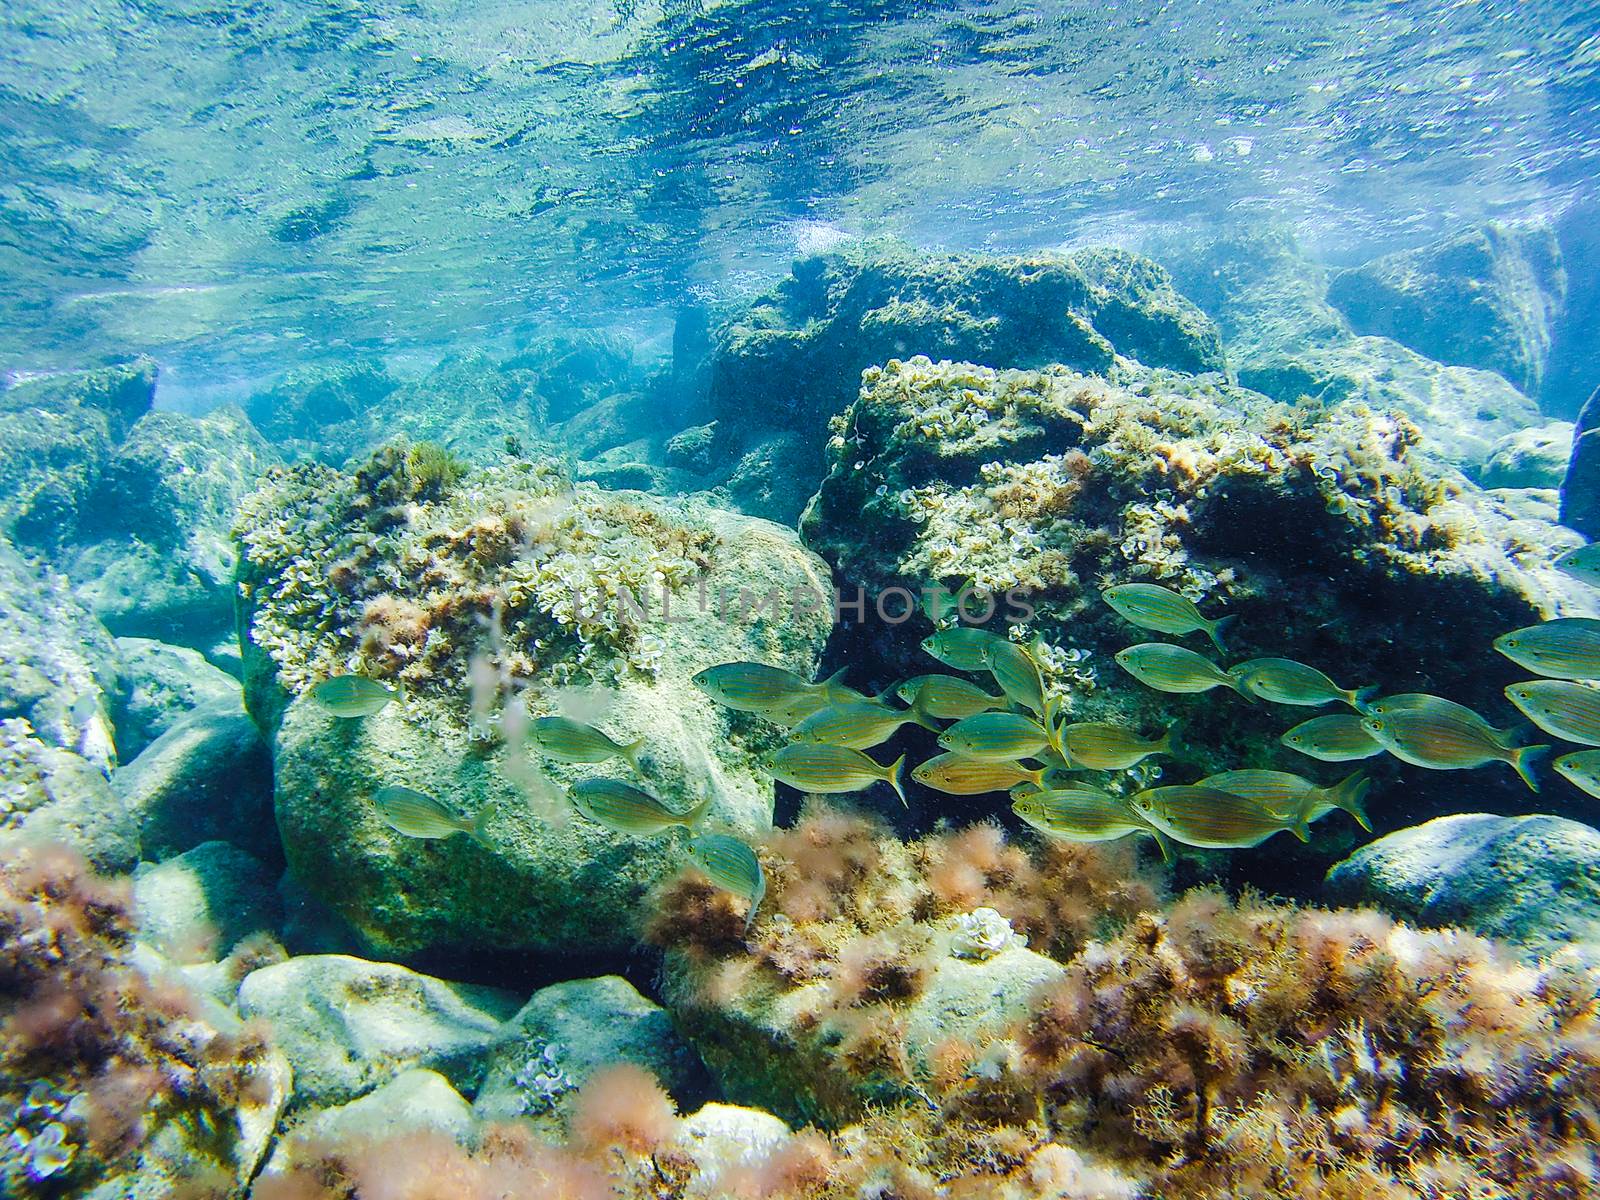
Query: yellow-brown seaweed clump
399, 570
105, 1073
1205, 1047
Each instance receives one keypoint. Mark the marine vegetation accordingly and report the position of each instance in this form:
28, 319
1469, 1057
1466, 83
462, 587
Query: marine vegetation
394, 576
104, 1071
1207, 1047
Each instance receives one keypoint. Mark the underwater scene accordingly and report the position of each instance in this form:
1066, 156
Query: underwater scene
792, 600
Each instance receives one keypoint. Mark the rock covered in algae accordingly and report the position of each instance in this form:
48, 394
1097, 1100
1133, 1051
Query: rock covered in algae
1530, 458
1286, 340
154, 553
1329, 532
1485, 296
59, 432
1580, 487
503, 593
843, 311
48, 794
1533, 880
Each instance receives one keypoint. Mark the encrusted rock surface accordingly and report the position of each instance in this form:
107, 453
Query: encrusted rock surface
1533, 880
490, 601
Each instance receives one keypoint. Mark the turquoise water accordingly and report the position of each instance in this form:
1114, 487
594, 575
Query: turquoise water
799, 601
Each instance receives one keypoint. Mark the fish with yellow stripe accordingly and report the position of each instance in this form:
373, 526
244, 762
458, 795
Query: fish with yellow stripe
418, 815
1441, 740
1017, 672
958, 775
1285, 681
1561, 707
1151, 606
1337, 737
1175, 669
1565, 648
859, 724
623, 808
352, 696
830, 770
949, 697
771, 692
961, 646
1286, 794
999, 736
1102, 746
730, 865
1213, 819
1080, 814
567, 740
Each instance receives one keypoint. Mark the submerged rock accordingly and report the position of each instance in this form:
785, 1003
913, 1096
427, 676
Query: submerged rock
208, 777
1465, 413
164, 683
499, 596
348, 1026
1286, 340
1533, 880
1529, 458
196, 906
567, 1032
413, 1101
59, 433
59, 669
1326, 531
1483, 297
155, 557
48, 794
841, 312
310, 399
1580, 487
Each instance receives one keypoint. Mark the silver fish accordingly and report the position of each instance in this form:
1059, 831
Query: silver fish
731, 865
351, 696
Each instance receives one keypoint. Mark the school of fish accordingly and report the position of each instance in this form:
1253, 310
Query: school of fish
1016, 739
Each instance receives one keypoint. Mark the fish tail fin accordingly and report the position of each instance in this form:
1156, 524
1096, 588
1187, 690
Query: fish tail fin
1363, 702
1508, 737
1170, 743
896, 779
696, 814
1522, 762
1300, 828
1350, 794
1214, 630
478, 830
1239, 685
1357, 698
630, 753
755, 904
835, 685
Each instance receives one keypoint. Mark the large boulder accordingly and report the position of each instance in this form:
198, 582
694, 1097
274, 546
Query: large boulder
59, 669
505, 593
573, 370
196, 906
163, 683
348, 1026
1329, 532
1483, 297
1534, 880
1467, 412
48, 794
567, 1032
208, 777
155, 555
58, 433
795, 358
1580, 487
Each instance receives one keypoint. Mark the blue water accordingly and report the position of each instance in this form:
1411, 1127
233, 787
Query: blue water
237, 188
